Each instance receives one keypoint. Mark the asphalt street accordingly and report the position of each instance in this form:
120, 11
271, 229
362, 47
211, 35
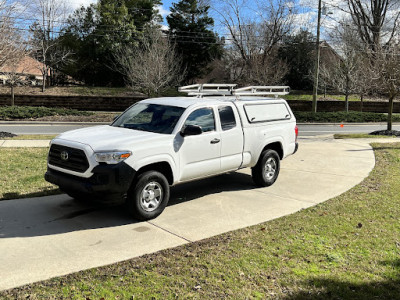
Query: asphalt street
304, 129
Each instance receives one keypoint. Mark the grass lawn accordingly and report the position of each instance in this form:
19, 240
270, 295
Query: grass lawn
342, 116
309, 97
69, 91
345, 248
22, 171
360, 136
31, 137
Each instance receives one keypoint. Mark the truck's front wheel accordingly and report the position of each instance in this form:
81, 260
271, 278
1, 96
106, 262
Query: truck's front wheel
266, 171
148, 196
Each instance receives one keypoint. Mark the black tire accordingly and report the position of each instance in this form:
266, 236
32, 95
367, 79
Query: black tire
148, 196
266, 171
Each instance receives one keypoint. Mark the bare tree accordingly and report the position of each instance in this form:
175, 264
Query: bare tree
347, 72
255, 39
267, 70
152, 66
385, 70
8, 32
45, 47
15, 69
377, 23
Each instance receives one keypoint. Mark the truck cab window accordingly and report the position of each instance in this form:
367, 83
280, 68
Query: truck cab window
227, 117
203, 117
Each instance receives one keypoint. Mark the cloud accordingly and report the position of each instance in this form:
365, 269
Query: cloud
163, 11
78, 3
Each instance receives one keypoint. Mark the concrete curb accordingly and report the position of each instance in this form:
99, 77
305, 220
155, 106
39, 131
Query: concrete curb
51, 123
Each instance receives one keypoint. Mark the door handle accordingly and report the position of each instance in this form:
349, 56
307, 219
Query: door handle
215, 141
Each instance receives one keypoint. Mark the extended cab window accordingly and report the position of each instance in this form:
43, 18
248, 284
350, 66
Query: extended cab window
227, 117
203, 117
266, 112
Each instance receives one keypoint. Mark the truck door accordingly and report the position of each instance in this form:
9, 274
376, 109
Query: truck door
200, 154
231, 138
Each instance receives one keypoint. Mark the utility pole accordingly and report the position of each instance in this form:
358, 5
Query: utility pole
316, 74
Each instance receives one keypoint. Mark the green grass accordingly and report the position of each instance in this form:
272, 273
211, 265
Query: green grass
308, 97
30, 112
341, 116
31, 137
359, 136
345, 248
22, 171
98, 91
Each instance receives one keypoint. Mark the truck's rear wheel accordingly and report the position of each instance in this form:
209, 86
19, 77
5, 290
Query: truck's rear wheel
148, 196
266, 171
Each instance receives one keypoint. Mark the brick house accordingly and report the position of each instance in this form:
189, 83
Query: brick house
28, 68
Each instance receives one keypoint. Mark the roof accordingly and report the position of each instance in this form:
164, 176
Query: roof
27, 65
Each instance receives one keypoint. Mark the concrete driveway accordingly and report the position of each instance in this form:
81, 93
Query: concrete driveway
51, 236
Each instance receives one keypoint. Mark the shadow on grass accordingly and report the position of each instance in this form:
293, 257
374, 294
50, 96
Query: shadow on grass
317, 288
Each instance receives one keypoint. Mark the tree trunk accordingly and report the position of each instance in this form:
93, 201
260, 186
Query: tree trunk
12, 96
390, 113
362, 102
44, 81
347, 93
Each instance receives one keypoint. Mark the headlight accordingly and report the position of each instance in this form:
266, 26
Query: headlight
112, 157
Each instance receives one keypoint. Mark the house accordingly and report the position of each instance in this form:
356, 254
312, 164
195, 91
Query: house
28, 68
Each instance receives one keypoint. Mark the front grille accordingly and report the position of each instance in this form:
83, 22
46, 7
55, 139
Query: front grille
74, 159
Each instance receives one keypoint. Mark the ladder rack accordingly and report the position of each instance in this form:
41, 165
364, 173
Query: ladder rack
208, 89
223, 89
263, 91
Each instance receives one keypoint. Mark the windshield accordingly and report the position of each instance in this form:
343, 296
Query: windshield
150, 117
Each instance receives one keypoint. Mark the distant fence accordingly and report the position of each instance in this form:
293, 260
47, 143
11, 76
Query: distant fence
367, 106
92, 103
111, 103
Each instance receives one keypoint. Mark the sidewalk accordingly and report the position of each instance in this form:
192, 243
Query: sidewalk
52, 236
24, 143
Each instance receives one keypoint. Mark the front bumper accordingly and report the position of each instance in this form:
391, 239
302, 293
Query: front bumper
108, 182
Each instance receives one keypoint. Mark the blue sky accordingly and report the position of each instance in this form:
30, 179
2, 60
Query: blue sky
307, 9
306, 16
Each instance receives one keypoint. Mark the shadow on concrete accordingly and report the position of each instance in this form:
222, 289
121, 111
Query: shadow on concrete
317, 288
234, 181
59, 214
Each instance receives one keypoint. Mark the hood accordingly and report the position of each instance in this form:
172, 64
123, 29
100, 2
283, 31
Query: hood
106, 137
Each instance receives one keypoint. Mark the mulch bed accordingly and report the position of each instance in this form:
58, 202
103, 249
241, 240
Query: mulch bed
6, 134
386, 132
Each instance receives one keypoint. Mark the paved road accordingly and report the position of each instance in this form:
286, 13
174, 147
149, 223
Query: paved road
51, 236
304, 130
39, 128
319, 129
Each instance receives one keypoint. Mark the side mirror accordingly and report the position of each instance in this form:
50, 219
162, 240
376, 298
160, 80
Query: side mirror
191, 130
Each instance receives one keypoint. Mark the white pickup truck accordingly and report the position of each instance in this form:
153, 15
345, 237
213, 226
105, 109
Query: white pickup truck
160, 142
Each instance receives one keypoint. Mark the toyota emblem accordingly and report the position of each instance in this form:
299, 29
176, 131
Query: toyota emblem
64, 155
